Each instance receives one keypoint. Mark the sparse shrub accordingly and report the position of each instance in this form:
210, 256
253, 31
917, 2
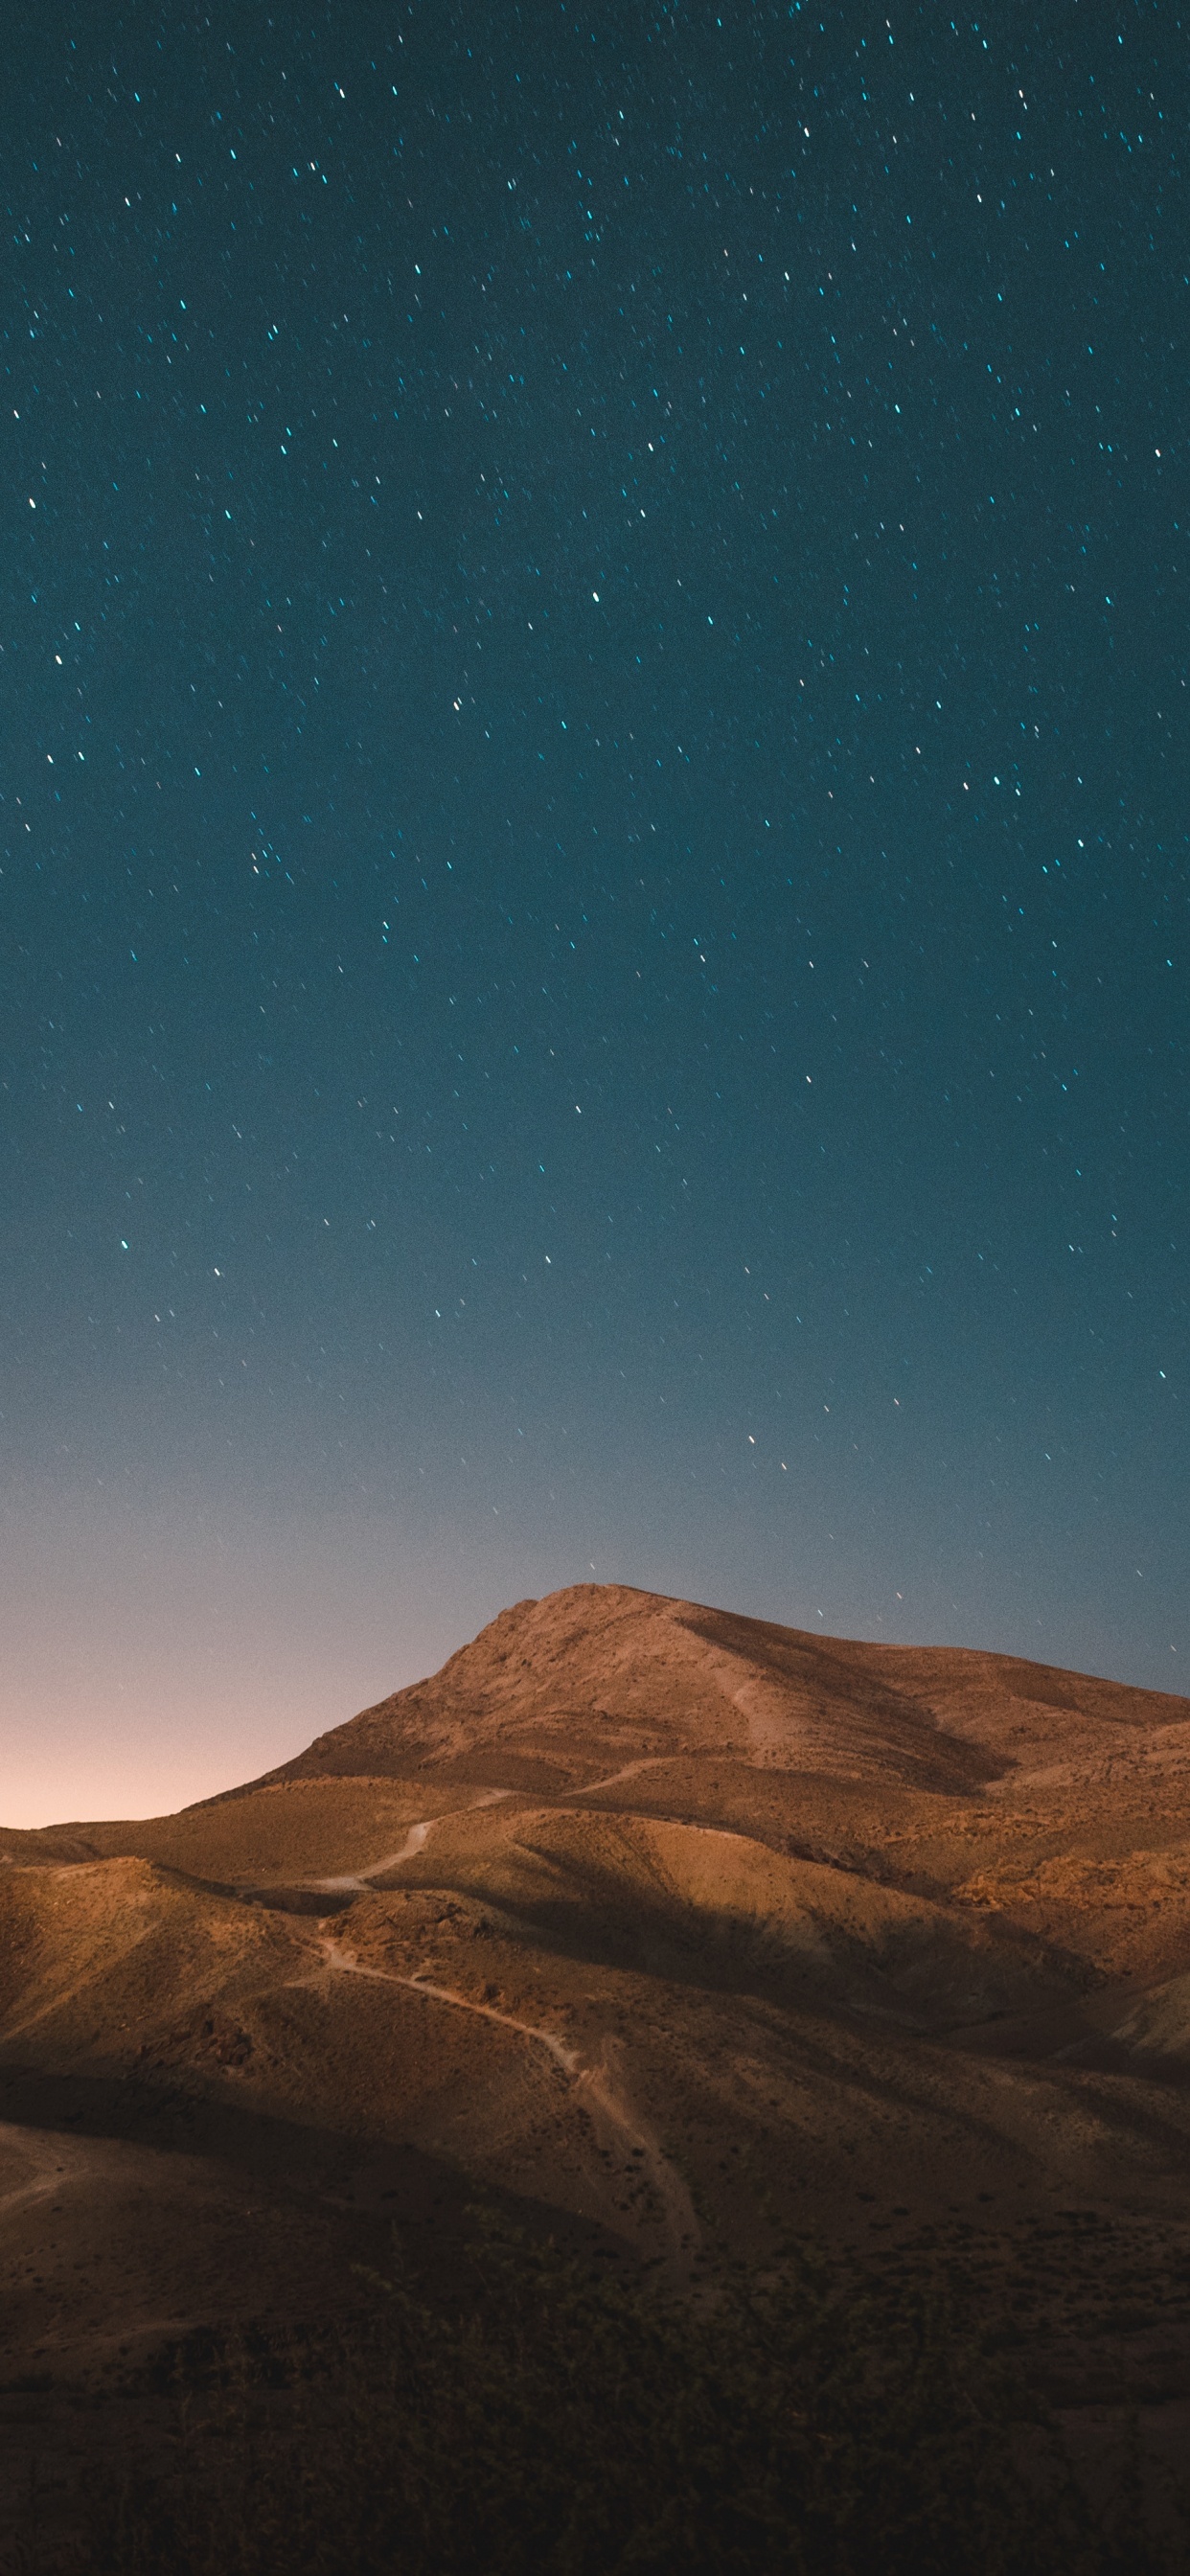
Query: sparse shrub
560, 2425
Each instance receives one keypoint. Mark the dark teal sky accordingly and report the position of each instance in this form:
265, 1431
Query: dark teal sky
594, 846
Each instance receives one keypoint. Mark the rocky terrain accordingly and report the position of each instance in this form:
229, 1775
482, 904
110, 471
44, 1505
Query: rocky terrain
673, 1935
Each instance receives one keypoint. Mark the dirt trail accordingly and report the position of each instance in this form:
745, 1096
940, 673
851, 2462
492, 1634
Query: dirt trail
648, 1762
346, 1964
678, 2218
58, 2163
605, 2098
357, 1882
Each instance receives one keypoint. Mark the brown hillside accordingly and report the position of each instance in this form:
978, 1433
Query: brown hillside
677, 1931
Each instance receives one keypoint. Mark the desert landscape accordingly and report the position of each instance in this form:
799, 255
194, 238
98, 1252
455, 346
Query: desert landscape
683, 1942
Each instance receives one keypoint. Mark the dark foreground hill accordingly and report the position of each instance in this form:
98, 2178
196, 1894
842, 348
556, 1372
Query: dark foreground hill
683, 1940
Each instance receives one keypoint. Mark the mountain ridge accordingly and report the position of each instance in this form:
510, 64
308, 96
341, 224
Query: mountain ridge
597, 1659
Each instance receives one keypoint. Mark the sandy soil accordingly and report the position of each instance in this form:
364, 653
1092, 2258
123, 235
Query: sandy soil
689, 1935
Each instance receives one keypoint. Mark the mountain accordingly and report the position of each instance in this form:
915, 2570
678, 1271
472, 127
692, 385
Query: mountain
555, 1691
679, 1935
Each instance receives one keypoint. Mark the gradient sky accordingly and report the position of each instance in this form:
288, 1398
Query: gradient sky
594, 834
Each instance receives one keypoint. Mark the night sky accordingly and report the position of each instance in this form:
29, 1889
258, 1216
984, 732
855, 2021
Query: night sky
594, 838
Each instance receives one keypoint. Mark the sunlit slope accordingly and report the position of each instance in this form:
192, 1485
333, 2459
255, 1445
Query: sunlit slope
294, 1830
99, 1957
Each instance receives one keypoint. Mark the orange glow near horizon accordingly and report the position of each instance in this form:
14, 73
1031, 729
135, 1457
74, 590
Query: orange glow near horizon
151, 1660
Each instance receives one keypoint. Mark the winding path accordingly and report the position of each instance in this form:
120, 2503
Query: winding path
593, 2083
358, 1882
647, 1762
607, 2103
57, 2163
